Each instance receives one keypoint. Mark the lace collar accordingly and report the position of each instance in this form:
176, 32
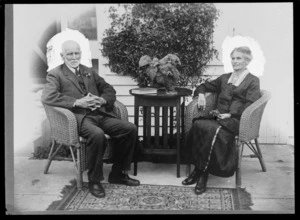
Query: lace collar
237, 79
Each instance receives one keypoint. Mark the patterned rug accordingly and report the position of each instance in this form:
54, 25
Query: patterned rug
153, 197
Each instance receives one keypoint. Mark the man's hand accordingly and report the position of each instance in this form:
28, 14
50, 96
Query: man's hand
90, 101
95, 101
82, 103
201, 101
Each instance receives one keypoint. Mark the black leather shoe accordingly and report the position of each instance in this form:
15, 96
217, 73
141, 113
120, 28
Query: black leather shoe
192, 178
96, 189
201, 184
122, 179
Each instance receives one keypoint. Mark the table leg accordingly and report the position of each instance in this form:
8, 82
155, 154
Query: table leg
178, 137
156, 116
182, 117
144, 126
171, 124
148, 126
136, 151
165, 127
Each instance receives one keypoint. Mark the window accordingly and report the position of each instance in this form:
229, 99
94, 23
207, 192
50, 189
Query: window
95, 64
85, 22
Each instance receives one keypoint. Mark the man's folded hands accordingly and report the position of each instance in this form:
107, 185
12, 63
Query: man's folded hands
90, 101
94, 101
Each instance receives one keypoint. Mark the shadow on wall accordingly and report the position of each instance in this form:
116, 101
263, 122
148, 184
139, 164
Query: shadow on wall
38, 61
38, 67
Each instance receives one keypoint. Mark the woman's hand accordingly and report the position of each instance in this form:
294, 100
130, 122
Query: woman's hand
223, 116
201, 101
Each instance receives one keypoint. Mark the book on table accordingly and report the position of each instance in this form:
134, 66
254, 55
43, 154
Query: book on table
144, 90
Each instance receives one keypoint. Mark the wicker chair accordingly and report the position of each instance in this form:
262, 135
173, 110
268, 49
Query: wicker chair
248, 132
64, 132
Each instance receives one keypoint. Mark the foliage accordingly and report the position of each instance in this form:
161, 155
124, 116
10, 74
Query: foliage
162, 73
183, 29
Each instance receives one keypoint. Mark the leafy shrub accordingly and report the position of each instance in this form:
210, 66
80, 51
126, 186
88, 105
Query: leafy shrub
183, 29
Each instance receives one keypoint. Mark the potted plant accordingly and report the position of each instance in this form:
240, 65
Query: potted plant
154, 31
162, 73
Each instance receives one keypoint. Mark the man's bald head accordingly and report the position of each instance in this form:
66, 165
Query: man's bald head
69, 44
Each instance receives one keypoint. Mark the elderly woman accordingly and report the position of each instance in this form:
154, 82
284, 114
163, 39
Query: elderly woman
209, 143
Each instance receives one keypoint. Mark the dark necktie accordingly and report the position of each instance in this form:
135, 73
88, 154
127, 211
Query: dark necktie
80, 80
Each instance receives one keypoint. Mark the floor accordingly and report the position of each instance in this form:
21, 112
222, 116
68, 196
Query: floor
271, 192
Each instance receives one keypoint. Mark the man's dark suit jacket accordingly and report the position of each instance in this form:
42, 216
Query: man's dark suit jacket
62, 89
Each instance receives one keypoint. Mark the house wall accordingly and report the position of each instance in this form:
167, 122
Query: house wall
268, 23
271, 25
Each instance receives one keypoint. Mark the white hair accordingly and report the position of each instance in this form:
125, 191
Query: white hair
245, 51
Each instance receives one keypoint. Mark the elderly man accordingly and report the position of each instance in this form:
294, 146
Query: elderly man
81, 90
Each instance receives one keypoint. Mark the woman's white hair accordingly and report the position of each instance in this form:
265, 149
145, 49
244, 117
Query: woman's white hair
245, 51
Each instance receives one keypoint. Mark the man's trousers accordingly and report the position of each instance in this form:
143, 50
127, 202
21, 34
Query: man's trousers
123, 134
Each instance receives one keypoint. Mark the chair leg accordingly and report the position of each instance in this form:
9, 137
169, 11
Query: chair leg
73, 158
260, 157
238, 176
79, 169
51, 156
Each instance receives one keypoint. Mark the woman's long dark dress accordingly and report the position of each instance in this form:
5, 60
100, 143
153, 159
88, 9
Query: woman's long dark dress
210, 143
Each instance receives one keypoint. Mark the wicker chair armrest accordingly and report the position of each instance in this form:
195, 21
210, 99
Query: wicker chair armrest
63, 125
189, 115
251, 118
120, 110
192, 110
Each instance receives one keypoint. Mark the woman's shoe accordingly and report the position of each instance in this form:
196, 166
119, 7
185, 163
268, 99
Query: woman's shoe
192, 178
201, 184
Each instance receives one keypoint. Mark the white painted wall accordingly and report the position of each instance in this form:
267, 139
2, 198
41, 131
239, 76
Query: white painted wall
271, 24
29, 22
